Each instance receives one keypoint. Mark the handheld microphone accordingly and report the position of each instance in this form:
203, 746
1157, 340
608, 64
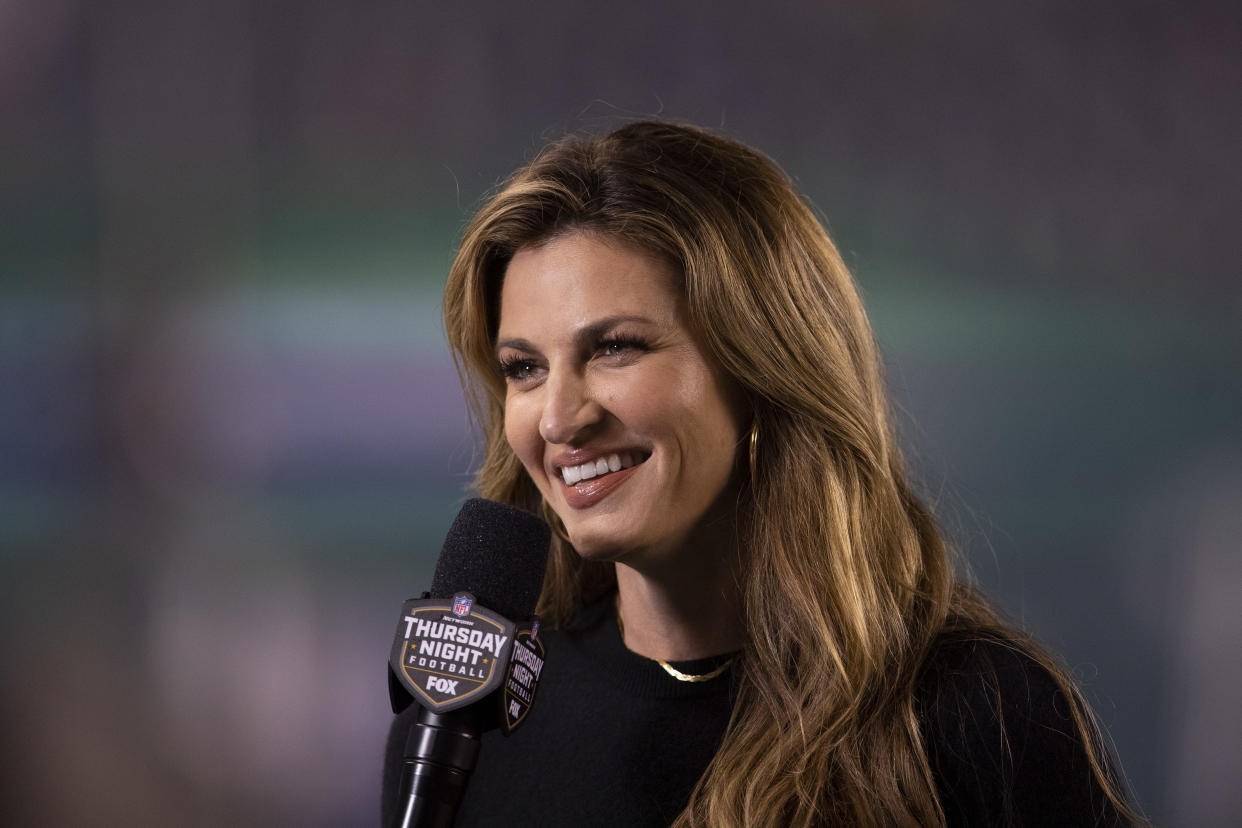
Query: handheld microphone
468, 652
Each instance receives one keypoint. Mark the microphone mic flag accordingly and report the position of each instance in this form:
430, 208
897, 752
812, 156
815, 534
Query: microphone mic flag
468, 653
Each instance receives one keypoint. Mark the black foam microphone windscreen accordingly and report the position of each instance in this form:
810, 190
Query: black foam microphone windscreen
496, 552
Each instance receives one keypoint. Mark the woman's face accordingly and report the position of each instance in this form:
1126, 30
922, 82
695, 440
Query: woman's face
625, 426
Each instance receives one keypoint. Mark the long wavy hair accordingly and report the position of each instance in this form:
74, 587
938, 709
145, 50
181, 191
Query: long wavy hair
847, 582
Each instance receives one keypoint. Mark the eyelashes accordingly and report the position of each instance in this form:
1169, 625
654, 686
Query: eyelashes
619, 344
516, 368
617, 348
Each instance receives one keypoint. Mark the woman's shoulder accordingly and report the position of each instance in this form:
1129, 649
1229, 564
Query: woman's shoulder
1006, 735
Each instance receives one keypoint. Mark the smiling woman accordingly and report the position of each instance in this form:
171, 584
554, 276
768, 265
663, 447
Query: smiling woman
602, 369
755, 619
601, 365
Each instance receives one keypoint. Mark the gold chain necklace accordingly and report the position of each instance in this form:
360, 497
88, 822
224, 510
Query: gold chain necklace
668, 668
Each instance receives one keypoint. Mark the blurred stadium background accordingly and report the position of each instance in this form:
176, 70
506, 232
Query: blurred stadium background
231, 437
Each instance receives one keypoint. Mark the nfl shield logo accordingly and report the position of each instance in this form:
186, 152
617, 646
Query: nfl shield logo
462, 604
534, 630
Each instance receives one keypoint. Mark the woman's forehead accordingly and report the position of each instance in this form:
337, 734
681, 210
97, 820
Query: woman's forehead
587, 276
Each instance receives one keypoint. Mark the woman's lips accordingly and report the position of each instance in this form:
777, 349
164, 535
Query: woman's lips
589, 492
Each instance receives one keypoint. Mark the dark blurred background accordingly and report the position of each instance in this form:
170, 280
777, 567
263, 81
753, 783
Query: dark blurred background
231, 437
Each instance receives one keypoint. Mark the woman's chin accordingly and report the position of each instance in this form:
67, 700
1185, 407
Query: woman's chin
592, 544
598, 549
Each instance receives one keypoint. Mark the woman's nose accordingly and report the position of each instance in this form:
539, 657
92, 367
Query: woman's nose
570, 412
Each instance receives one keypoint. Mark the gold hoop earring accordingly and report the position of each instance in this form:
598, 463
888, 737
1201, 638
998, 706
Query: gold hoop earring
754, 452
554, 520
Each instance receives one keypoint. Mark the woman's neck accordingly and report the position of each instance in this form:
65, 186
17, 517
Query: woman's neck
690, 613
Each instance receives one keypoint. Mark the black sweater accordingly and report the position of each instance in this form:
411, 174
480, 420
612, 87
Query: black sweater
614, 740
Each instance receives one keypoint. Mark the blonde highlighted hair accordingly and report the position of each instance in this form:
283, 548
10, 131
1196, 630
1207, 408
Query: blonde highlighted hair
847, 582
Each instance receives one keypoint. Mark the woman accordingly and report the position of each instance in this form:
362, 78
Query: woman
755, 619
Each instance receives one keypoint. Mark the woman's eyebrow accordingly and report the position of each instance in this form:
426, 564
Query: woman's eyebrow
586, 333
597, 328
516, 344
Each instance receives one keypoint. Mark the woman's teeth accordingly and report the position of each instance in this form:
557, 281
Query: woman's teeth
594, 468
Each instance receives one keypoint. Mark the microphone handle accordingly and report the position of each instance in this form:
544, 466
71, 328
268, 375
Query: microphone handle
440, 752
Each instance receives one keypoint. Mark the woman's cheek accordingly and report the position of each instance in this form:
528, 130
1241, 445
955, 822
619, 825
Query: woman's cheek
522, 431
518, 430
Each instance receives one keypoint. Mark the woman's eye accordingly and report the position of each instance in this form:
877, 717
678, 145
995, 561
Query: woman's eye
518, 369
619, 346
